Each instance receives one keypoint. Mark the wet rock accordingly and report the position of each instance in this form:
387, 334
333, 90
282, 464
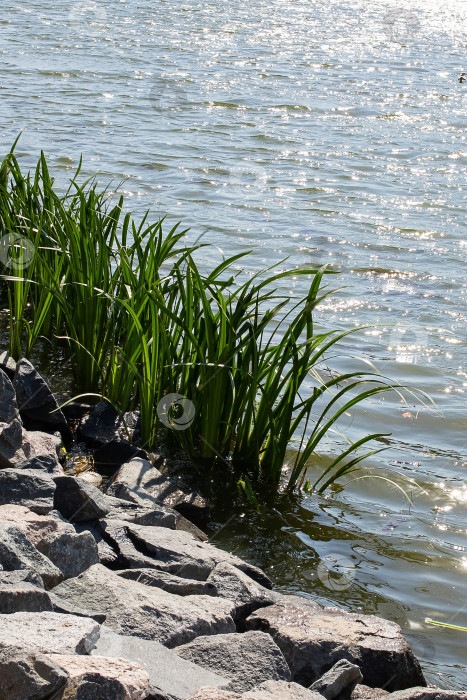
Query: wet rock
172, 550
169, 676
343, 676
103, 424
7, 364
37, 405
151, 613
27, 487
227, 581
19, 595
421, 693
57, 539
246, 659
49, 632
26, 674
99, 678
166, 581
78, 501
312, 640
140, 482
18, 552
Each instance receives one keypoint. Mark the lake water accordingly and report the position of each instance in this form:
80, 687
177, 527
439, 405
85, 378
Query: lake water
328, 132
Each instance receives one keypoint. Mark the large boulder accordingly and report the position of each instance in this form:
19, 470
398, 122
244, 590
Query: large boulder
71, 552
166, 581
78, 500
26, 674
246, 659
18, 552
420, 693
37, 405
172, 550
45, 463
49, 632
14, 447
170, 676
313, 640
100, 678
141, 482
7, 364
151, 613
27, 487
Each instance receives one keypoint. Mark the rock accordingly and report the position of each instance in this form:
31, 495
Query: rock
49, 632
106, 553
247, 659
172, 550
77, 500
99, 678
45, 444
19, 595
169, 675
26, 674
57, 539
37, 405
421, 693
18, 552
75, 410
140, 482
151, 613
166, 581
269, 690
227, 581
343, 676
48, 464
103, 424
60, 605
27, 487
7, 364
18, 576
92, 478
14, 447
111, 456
364, 692
312, 640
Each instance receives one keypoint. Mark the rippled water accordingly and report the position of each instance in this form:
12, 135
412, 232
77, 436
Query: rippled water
328, 132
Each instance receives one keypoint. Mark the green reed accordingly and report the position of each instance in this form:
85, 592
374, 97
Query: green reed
140, 320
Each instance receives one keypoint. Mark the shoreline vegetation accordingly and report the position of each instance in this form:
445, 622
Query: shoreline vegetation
231, 372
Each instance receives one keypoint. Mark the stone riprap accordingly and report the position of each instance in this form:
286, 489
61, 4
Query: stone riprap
119, 595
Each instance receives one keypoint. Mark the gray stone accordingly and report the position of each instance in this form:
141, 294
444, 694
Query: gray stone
106, 553
99, 678
37, 405
170, 676
420, 693
269, 690
141, 482
18, 552
246, 659
57, 539
343, 676
103, 424
227, 581
312, 640
61, 605
166, 581
151, 613
14, 447
79, 501
49, 632
8, 404
18, 576
7, 364
45, 444
172, 550
48, 464
19, 595
26, 674
27, 487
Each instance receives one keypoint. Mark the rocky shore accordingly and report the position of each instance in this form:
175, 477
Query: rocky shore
110, 590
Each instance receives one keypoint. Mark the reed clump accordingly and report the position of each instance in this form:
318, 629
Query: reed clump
141, 321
